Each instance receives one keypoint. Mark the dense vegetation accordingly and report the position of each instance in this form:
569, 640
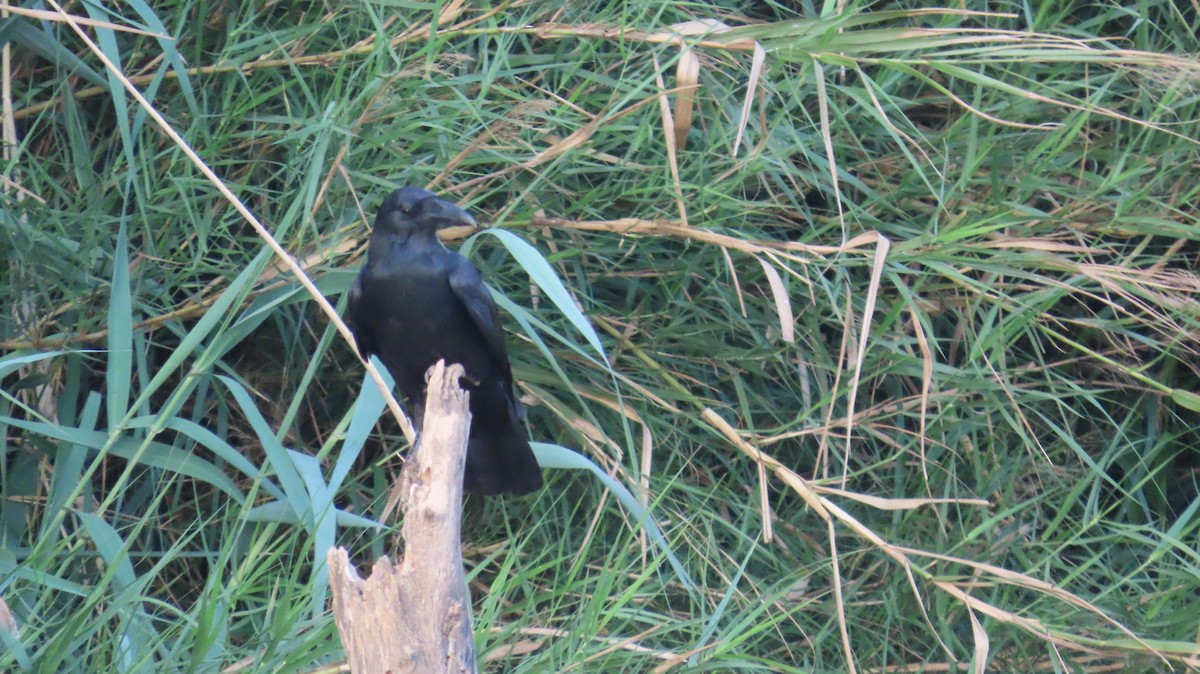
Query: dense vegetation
888, 313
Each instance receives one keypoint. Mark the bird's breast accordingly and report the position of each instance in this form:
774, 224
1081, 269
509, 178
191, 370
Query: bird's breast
421, 321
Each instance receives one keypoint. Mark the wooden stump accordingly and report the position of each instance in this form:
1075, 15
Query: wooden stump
415, 617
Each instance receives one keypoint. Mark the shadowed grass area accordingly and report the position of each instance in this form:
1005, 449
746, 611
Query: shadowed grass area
887, 315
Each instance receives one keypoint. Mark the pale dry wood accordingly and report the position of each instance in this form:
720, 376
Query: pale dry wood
8, 622
415, 617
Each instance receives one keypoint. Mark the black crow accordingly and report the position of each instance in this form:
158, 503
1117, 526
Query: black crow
415, 303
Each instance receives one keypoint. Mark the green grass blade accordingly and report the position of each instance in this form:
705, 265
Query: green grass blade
155, 454
279, 457
540, 271
119, 374
555, 456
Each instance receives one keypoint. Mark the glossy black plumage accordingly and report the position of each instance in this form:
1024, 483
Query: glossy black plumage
415, 302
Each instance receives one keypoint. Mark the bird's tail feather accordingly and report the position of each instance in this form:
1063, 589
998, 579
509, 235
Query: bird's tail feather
499, 458
501, 466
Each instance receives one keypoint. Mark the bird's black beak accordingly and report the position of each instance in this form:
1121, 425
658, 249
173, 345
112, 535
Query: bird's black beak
446, 214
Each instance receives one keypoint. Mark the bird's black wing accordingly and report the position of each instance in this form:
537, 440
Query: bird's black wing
358, 323
469, 288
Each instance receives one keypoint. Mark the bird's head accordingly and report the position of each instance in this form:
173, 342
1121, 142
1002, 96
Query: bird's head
410, 209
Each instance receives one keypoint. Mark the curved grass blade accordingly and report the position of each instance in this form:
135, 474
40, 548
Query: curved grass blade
15, 361
366, 412
203, 327
156, 454
23, 32
293, 485
172, 58
69, 464
107, 39
540, 271
138, 633
280, 512
223, 450
557, 456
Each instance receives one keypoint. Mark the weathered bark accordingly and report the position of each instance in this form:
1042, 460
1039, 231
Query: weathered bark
415, 618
